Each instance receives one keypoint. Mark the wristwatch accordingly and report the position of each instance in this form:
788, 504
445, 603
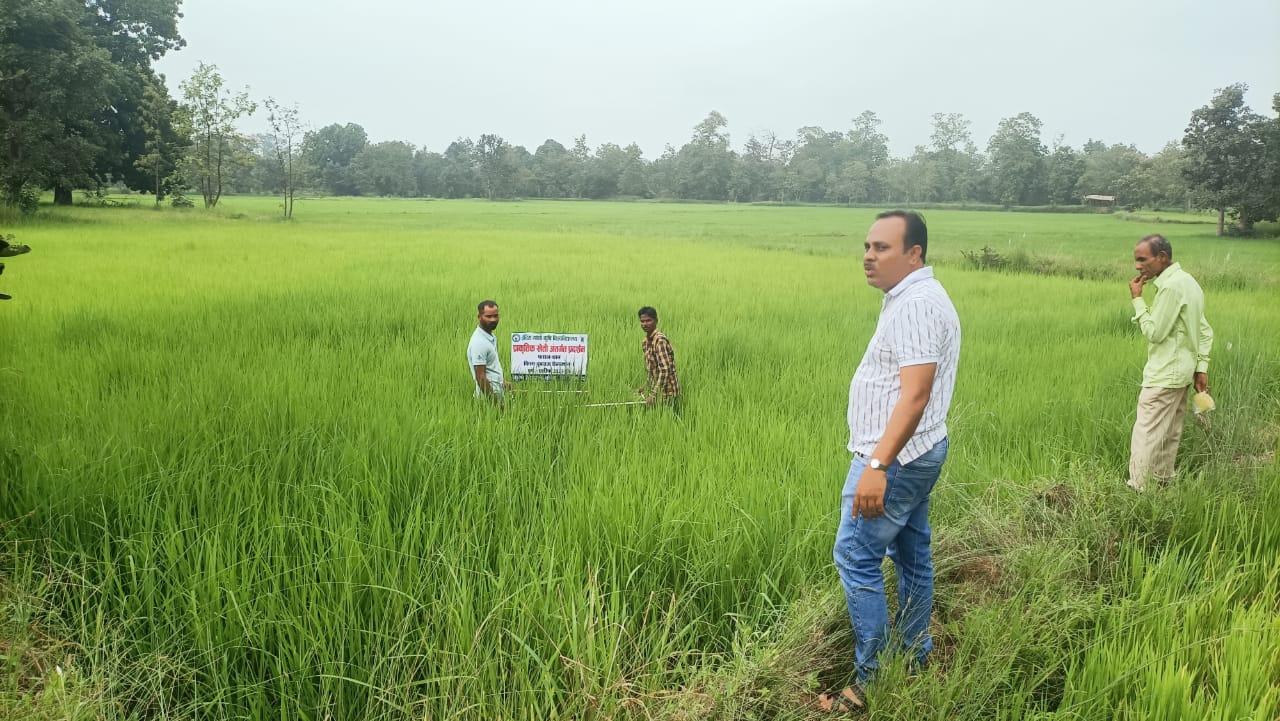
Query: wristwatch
875, 464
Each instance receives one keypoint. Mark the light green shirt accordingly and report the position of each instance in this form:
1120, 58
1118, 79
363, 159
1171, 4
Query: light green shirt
483, 351
1179, 336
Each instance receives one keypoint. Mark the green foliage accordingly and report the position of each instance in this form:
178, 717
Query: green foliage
985, 259
72, 83
286, 141
163, 146
208, 117
329, 152
25, 198
54, 81
1106, 170
1063, 169
384, 169
1017, 158
850, 167
1227, 154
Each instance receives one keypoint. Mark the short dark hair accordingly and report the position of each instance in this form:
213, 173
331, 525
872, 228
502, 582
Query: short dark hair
485, 304
1158, 244
917, 231
649, 311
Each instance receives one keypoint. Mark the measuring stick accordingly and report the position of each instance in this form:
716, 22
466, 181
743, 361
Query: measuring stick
608, 405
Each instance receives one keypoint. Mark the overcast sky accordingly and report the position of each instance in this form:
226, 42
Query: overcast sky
430, 71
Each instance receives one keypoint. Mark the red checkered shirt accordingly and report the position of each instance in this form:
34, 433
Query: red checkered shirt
660, 361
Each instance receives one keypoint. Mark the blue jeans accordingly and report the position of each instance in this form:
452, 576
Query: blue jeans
902, 533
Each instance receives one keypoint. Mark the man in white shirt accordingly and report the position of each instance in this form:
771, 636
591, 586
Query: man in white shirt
898, 403
482, 356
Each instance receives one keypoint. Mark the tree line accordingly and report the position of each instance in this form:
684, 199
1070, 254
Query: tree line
82, 108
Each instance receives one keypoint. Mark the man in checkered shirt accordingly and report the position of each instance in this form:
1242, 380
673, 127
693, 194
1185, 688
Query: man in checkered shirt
659, 362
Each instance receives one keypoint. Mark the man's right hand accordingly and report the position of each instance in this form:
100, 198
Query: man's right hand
1136, 285
868, 495
1201, 381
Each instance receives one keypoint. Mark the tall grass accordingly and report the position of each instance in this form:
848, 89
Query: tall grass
244, 477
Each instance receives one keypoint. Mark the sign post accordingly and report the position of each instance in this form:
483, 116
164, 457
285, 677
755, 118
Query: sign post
548, 356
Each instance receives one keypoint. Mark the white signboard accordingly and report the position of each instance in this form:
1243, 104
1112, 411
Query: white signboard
548, 355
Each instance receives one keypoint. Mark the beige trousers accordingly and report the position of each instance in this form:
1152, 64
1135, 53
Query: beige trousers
1156, 434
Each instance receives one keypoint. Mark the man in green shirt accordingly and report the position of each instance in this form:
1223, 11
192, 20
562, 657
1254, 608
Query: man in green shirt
1179, 339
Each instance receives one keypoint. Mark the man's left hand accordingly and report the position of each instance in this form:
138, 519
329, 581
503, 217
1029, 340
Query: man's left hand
506, 385
868, 497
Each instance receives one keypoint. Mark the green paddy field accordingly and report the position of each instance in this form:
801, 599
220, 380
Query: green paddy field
242, 476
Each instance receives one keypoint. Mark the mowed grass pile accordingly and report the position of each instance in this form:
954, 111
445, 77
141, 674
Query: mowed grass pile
243, 476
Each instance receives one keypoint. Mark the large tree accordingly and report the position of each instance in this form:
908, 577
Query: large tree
136, 33
1267, 199
1225, 154
1164, 175
634, 172
819, 157
209, 113
385, 169
1016, 161
496, 169
162, 145
460, 178
911, 180
329, 151
605, 170
553, 169
55, 85
758, 172
1108, 170
706, 162
74, 76
428, 168
1063, 169
867, 156
664, 174
956, 162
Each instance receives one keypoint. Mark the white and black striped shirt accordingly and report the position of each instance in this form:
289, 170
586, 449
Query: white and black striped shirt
918, 325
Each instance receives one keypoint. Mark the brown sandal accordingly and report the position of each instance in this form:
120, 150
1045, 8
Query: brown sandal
843, 702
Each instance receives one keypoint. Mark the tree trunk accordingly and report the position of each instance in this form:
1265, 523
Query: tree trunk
1222, 216
61, 195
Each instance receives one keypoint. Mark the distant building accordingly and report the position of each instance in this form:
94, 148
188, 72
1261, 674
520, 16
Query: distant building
1101, 201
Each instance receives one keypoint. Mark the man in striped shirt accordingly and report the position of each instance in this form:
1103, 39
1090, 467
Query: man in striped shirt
898, 403
659, 362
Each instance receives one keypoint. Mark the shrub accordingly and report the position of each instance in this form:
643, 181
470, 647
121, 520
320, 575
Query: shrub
26, 198
985, 259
